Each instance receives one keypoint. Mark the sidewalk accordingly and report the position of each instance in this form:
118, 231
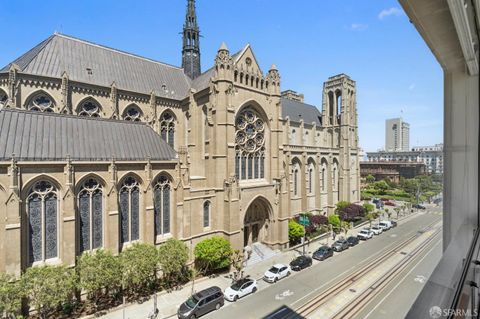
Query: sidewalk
168, 302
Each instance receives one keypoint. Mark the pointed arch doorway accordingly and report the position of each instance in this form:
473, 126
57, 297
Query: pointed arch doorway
256, 222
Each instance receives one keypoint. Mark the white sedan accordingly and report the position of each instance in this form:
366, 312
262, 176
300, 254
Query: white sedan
240, 289
365, 234
276, 272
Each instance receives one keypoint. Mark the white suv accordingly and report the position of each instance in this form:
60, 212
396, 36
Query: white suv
365, 234
377, 230
385, 224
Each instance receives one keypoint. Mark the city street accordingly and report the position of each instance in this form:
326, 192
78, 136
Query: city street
293, 293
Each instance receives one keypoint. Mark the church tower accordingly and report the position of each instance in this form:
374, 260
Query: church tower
191, 43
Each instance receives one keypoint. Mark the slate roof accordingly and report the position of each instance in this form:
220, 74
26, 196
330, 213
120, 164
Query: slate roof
297, 111
36, 136
203, 80
130, 72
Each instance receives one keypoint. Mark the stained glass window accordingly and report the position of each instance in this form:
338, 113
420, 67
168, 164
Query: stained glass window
129, 204
167, 128
206, 214
249, 145
42, 211
90, 207
162, 193
89, 108
41, 103
133, 113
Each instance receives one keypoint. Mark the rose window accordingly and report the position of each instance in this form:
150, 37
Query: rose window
249, 145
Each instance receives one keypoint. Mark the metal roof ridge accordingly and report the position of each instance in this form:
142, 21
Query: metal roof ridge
65, 36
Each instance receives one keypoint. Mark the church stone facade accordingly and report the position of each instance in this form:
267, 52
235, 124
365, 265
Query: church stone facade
102, 148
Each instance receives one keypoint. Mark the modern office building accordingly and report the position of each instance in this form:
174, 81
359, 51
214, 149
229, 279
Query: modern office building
397, 135
102, 148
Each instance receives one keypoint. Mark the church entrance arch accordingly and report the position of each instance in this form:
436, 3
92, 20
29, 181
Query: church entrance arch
256, 221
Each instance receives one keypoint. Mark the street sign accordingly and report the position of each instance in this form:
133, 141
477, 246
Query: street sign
303, 220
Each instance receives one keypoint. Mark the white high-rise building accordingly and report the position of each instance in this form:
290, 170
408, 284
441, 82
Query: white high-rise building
397, 135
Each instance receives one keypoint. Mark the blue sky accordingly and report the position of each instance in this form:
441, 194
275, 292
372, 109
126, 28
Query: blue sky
308, 40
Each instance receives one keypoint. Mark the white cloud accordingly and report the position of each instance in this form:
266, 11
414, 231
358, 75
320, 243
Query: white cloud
390, 12
358, 27
411, 87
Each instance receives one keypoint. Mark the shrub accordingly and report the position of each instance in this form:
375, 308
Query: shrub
318, 220
173, 256
368, 208
351, 212
139, 264
212, 254
48, 287
334, 220
341, 205
295, 231
10, 295
97, 272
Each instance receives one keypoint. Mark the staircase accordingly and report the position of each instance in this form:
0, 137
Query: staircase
261, 252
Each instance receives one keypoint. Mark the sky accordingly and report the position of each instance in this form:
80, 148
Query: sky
308, 40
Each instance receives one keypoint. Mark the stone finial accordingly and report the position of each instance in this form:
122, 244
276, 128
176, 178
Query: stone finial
223, 47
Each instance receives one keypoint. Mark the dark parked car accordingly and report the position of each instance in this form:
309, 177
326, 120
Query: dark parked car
323, 253
201, 303
340, 245
301, 262
352, 240
394, 223
418, 206
375, 200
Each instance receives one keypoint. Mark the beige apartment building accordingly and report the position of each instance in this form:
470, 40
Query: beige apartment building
102, 148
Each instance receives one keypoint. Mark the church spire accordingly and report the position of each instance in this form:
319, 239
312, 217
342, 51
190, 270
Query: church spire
191, 43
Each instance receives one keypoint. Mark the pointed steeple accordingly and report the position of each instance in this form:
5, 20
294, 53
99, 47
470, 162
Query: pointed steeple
191, 42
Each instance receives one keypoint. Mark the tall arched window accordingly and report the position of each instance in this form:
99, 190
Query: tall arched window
335, 177
167, 128
293, 137
42, 211
3, 98
206, 214
89, 108
41, 102
133, 113
129, 197
90, 209
311, 178
249, 145
161, 201
323, 177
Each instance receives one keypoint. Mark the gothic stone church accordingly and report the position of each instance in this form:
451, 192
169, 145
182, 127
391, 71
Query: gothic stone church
102, 148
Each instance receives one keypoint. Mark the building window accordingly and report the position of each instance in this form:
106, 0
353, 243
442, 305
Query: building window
89, 108
311, 180
41, 103
90, 208
129, 197
334, 178
161, 193
42, 211
3, 99
295, 181
323, 178
133, 113
250, 145
167, 128
206, 214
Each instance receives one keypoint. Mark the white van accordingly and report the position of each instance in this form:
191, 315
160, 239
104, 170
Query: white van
385, 224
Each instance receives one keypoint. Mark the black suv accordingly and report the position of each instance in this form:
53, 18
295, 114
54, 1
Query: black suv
352, 240
300, 262
201, 303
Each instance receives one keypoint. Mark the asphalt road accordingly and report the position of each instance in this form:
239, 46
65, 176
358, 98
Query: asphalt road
274, 300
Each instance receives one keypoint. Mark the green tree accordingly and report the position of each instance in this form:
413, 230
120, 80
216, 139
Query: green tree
370, 179
345, 227
388, 212
341, 205
48, 287
368, 207
381, 186
139, 264
334, 220
98, 273
10, 296
371, 217
173, 256
397, 210
236, 260
212, 254
295, 231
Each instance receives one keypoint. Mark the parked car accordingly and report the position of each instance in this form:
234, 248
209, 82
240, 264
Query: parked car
377, 230
201, 303
323, 253
365, 234
240, 288
375, 200
389, 203
394, 223
385, 224
352, 241
301, 262
340, 245
276, 272
418, 206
